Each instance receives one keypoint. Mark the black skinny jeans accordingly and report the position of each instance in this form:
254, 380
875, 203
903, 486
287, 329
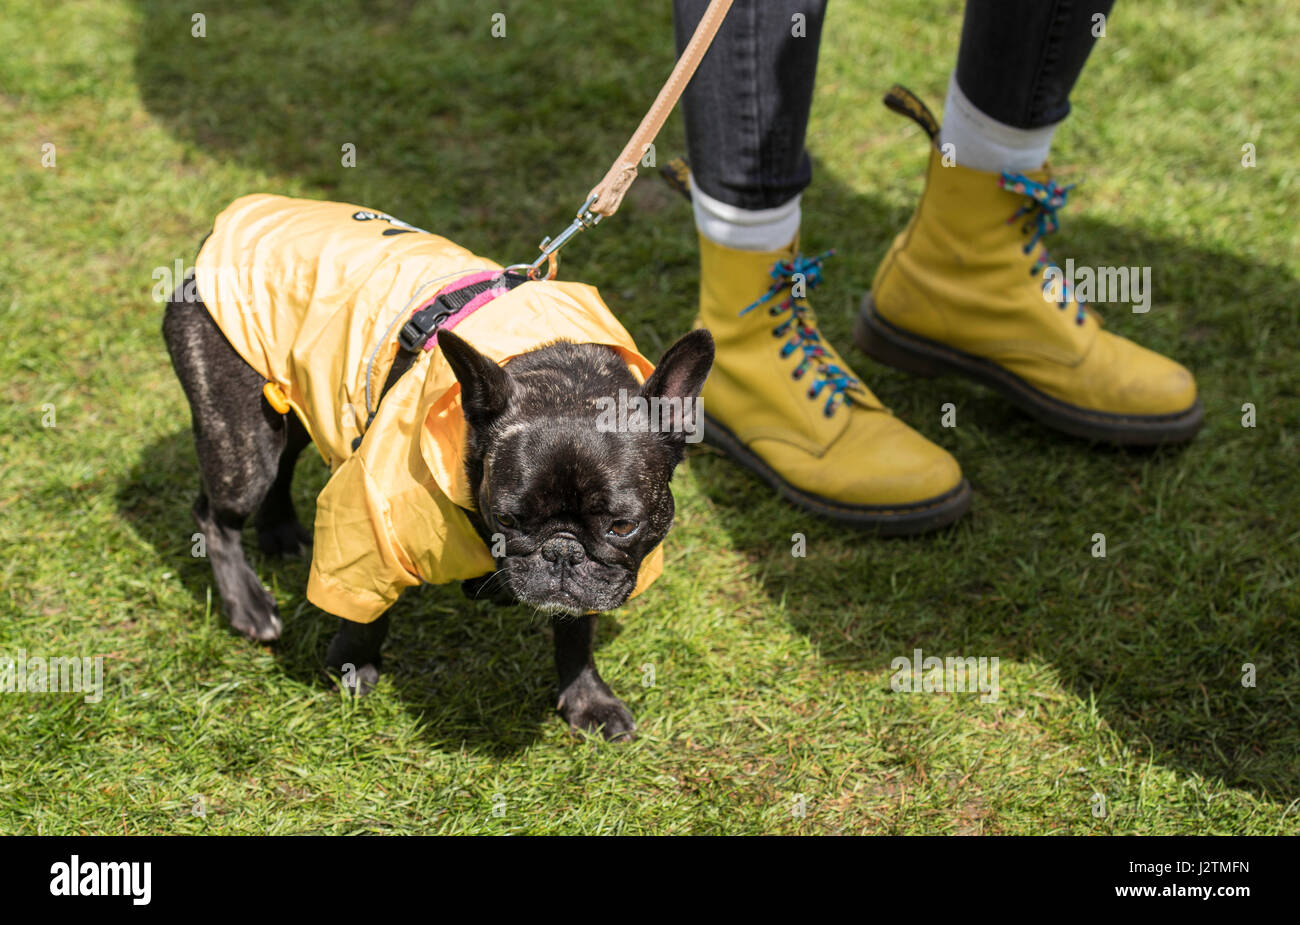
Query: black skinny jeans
747, 108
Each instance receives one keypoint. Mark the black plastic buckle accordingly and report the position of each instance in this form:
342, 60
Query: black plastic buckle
425, 323
417, 331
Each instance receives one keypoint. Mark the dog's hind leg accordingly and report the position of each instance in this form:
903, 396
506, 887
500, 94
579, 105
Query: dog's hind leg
239, 439
279, 532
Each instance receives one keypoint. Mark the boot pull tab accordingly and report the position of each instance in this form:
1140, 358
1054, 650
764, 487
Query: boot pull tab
906, 103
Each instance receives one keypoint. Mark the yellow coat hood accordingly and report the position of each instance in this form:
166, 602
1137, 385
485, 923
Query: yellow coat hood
309, 294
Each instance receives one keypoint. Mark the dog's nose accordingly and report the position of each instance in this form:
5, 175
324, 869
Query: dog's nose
563, 549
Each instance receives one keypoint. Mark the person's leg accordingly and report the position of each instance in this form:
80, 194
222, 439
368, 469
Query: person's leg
1004, 104
746, 113
780, 400
968, 286
1026, 90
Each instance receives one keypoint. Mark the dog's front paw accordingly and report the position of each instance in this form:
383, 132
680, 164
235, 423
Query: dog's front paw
588, 704
255, 614
358, 680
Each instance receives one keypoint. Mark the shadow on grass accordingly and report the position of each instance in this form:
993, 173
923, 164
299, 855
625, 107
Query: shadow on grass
475, 674
480, 145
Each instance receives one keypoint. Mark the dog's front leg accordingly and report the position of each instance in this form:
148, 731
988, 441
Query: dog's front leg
357, 645
585, 699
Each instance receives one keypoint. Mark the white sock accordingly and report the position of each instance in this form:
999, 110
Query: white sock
983, 143
745, 229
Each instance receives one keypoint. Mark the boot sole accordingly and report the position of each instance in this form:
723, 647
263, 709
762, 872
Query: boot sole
891, 345
884, 519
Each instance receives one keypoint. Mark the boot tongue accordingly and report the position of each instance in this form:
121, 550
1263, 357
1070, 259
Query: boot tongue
857, 391
823, 367
1038, 200
752, 382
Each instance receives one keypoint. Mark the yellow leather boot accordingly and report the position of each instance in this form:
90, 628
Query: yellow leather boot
782, 402
968, 288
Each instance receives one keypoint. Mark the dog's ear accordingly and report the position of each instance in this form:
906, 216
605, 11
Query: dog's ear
677, 382
484, 386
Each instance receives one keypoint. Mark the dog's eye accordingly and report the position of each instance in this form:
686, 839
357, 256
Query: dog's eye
623, 527
505, 520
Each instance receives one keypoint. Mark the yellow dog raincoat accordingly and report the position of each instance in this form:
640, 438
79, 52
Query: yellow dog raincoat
312, 295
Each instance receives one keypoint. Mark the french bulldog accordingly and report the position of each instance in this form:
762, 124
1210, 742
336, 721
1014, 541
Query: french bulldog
578, 507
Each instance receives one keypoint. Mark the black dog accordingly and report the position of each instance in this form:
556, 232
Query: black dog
577, 506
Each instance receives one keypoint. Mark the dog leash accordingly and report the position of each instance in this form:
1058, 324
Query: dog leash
607, 195
602, 202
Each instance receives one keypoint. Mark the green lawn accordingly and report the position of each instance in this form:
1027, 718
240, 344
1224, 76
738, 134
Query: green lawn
1120, 676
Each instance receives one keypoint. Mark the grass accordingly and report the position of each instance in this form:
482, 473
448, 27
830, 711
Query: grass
770, 709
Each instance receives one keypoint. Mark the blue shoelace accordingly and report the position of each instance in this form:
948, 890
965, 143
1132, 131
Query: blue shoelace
802, 333
1044, 201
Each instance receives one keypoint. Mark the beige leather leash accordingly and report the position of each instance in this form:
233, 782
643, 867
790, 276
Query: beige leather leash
607, 195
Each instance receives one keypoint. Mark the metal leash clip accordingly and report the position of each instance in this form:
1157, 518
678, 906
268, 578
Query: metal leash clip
550, 247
